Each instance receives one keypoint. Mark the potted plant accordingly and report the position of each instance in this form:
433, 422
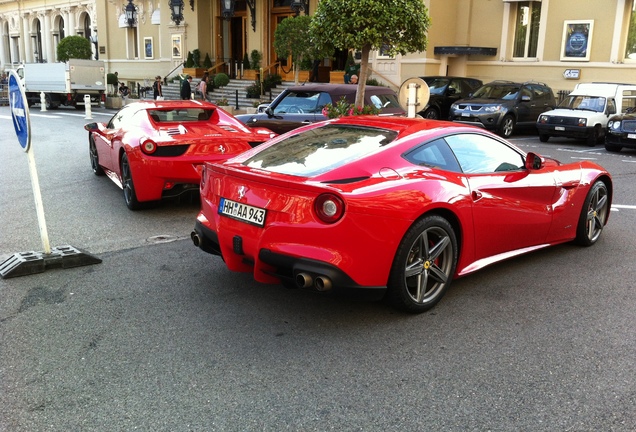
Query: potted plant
251, 67
113, 101
192, 65
336, 76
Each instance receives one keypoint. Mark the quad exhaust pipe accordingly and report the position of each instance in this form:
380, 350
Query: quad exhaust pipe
323, 283
304, 280
195, 238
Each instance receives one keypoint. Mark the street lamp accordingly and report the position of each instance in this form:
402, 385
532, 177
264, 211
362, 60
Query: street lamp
131, 13
176, 10
227, 9
300, 5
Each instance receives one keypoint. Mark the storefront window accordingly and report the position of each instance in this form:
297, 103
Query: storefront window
527, 29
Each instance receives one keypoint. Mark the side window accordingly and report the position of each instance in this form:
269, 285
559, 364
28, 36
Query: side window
526, 93
480, 154
434, 154
455, 87
611, 106
323, 100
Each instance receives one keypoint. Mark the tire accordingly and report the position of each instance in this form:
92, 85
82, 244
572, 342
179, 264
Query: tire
130, 197
613, 148
593, 215
92, 152
507, 126
594, 137
544, 137
431, 113
423, 266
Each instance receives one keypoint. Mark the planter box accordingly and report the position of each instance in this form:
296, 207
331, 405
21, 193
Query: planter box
250, 74
113, 102
227, 108
194, 72
303, 76
336, 77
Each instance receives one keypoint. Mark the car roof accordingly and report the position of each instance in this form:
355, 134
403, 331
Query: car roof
341, 89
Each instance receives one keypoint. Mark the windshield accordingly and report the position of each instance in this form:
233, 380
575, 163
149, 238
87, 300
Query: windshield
300, 102
320, 150
585, 103
437, 85
499, 91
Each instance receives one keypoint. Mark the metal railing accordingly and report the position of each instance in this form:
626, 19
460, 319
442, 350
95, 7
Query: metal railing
4, 94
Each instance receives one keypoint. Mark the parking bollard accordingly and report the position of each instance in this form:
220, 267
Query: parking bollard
87, 107
42, 101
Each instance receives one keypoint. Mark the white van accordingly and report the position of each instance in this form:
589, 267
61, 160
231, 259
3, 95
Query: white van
584, 112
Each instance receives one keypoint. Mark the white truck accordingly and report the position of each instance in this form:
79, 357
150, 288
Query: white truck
584, 113
64, 83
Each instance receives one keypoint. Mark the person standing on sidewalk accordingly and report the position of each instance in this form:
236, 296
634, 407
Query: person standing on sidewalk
186, 89
157, 91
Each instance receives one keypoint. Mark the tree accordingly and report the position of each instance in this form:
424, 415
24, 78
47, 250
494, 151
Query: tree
74, 47
292, 38
395, 26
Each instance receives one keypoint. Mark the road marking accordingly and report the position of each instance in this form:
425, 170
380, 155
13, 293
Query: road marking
621, 206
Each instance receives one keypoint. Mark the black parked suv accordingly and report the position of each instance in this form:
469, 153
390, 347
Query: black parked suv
445, 90
503, 105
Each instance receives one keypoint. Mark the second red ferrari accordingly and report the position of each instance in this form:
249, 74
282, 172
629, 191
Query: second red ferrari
154, 149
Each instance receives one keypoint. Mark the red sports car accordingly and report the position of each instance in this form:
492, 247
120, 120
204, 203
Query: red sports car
392, 206
154, 149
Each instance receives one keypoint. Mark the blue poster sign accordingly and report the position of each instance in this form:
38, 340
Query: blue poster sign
19, 111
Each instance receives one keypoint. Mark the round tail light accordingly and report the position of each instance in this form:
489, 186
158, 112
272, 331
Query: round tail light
147, 146
329, 208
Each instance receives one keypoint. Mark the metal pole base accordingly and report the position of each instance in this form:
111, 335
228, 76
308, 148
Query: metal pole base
27, 263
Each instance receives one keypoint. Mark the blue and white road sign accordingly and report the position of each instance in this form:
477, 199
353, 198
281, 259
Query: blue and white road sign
19, 111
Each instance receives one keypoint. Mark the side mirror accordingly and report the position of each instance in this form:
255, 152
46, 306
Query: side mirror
534, 161
525, 98
91, 127
451, 91
269, 112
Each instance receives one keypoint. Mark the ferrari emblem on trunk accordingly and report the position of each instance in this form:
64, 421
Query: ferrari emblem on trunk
241, 192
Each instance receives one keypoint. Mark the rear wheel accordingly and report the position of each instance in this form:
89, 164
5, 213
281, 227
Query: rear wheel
127, 182
593, 215
423, 266
544, 137
507, 126
92, 150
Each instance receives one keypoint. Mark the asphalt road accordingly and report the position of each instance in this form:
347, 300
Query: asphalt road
162, 337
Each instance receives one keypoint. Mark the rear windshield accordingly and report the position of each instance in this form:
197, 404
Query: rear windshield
320, 150
181, 115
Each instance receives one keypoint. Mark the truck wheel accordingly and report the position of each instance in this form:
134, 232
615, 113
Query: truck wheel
594, 136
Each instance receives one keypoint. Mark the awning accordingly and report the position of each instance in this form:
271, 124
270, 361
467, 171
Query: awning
465, 50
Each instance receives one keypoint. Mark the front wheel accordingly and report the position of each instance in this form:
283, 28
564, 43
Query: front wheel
613, 148
507, 126
593, 215
544, 137
92, 151
127, 183
423, 266
594, 136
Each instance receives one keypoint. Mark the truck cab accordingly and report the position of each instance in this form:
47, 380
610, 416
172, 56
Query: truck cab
584, 113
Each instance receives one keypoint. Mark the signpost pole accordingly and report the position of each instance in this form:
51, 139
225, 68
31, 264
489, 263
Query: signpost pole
39, 207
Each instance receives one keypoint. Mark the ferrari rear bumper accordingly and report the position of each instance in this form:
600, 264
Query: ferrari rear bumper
292, 272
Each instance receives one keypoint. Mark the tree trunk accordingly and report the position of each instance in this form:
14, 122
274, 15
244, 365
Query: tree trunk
362, 78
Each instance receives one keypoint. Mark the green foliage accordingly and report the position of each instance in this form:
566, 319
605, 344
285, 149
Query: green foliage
221, 80
254, 90
74, 47
397, 26
207, 62
196, 58
343, 108
271, 81
111, 78
246, 61
189, 60
255, 59
374, 82
291, 38
222, 102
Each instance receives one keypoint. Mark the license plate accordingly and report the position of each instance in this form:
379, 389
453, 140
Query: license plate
242, 212
465, 114
631, 136
561, 128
